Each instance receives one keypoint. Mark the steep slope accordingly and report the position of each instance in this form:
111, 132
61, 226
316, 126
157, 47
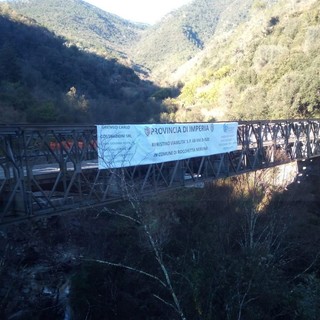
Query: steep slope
45, 80
185, 32
158, 50
83, 24
267, 67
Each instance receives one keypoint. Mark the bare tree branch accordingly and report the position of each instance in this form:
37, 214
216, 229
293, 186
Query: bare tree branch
308, 268
113, 212
120, 265
138, 213
166, 302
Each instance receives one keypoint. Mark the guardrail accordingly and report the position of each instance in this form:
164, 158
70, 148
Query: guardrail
51, 169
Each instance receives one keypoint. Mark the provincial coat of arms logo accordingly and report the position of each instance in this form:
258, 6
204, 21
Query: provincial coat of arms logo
147, 131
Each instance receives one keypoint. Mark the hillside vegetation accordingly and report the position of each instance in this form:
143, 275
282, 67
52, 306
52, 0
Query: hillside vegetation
185, 32
44, 79
216, 60
84, 25
267, 68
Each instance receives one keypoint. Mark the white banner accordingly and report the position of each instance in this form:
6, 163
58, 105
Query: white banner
130, 145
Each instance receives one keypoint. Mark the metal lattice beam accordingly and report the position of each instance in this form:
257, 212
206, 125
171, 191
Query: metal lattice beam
48, 169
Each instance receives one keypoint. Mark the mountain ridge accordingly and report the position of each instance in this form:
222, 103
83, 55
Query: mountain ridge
174, 45
155, 50
84, 25
224, 60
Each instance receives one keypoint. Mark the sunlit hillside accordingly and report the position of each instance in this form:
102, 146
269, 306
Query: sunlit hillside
267, 68
185, 32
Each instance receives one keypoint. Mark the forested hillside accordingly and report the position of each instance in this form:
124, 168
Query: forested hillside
267, 68
185, 32
84, 25
44, 79
225, 60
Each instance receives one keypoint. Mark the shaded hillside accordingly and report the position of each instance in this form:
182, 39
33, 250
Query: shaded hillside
83, 24
42, 79
185, 32
268, 67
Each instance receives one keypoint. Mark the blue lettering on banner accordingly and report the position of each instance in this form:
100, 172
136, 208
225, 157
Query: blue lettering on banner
128, 145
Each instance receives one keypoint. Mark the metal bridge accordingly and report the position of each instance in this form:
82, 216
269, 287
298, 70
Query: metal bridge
52, 169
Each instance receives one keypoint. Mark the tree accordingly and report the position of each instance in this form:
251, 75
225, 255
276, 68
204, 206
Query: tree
139, 217
42, 113
9, 68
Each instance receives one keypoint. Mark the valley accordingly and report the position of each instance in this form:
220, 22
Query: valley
239, 248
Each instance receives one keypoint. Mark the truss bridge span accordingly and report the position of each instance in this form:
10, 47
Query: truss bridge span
47, 170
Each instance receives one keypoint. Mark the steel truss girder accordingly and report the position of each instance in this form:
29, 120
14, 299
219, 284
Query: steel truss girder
48, 169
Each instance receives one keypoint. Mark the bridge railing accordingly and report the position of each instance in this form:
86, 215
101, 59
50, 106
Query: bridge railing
47, 169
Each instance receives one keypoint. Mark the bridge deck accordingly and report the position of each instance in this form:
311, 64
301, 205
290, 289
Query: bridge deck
49, 169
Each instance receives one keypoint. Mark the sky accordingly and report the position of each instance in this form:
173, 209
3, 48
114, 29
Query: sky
146, 11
